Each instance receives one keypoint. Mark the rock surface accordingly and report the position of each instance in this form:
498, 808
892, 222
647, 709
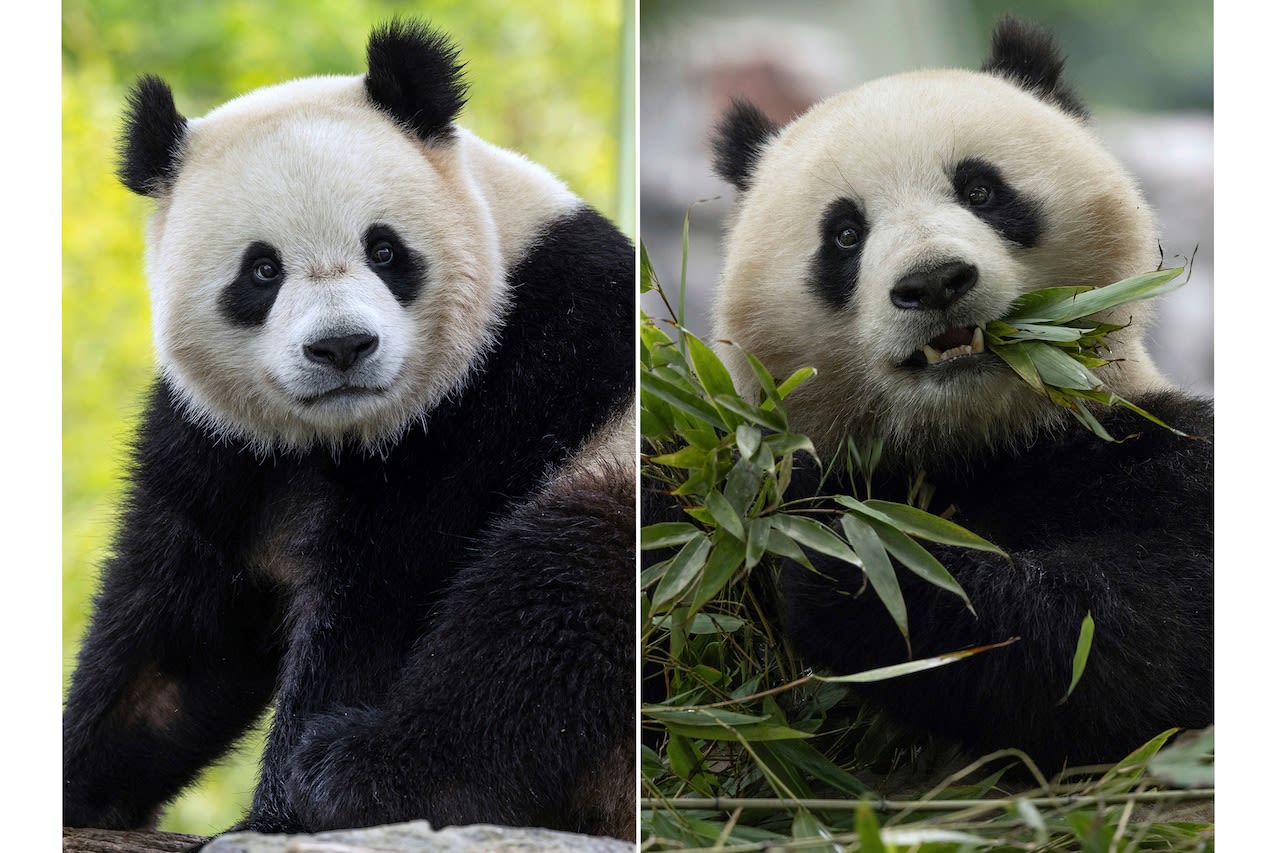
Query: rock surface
419, 836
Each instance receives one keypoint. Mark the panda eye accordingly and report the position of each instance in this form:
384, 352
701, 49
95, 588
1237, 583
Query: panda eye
266, 271
978, 195
848, 237
382, 254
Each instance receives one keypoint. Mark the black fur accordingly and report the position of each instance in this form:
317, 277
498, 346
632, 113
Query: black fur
1012, 214
247, 301
479, 624
151, 142
738, 142
1029, 56
1124, 531
406, 273
833, 269
415, 77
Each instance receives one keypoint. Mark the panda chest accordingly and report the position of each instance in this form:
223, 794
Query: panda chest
312, 529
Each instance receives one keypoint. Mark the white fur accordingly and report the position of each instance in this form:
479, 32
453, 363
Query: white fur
892, 145
307, 167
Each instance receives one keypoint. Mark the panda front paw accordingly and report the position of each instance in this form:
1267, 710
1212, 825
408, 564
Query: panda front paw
342, 774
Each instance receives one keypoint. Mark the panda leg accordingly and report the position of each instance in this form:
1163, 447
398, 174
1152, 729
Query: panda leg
517, 707
177, 663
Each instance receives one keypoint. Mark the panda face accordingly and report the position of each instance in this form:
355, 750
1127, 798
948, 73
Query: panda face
879, 231
318, 275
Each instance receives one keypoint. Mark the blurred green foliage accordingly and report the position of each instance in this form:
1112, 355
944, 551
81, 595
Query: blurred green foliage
546, 80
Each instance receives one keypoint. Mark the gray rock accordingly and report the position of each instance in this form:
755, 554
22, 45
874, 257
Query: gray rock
419, 836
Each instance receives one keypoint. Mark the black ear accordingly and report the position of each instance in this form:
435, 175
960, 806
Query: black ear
151, 144
1028, 56
415, 76
739, 138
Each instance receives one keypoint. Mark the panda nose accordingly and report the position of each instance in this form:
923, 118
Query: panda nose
935, 288
341, 352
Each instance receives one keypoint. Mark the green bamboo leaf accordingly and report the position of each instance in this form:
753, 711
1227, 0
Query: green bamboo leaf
1083, 644
757, 540
879, 571
1038, 306
815, 535
725, 561
755, 414
926, 525
712, 373
647, 279
899, 669
751, 732
868, 828
1188, 763
913, 555
678, 397
682, 570
667, 534
1016, 357
1058, 368
1051, 334
689, 717
784, 546
767, 385
748, 438
1145, 286
795, 380
686, 457
725, 516
806, 759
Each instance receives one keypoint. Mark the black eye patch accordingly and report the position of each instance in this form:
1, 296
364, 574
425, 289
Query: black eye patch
981, 188
834, 267
401, 269
247, 300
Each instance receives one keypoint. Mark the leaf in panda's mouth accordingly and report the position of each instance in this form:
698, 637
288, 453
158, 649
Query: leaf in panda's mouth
1047, 340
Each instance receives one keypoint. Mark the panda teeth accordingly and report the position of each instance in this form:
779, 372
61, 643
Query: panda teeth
976, 344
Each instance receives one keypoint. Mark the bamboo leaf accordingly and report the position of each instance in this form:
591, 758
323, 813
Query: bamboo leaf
725, 515
682, 570
711, 371
725, 561
667, 534
926, 525
755, 414
1057, 368
899, 669
749, 732
1016, 357
680, 398
815, 535
879, 571
1083, 644
868, 829
748, 438
914, 556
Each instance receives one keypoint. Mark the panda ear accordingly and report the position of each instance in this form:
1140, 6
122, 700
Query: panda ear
151, 144
739, 139
414, 75
1028, 56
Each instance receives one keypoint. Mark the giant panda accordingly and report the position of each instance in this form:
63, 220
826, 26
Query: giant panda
385, 477
873, 235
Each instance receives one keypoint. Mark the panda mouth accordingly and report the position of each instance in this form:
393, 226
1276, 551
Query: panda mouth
956, 342
342, 392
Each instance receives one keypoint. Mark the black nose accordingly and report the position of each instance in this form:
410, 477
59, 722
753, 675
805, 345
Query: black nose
342, 352
935, 288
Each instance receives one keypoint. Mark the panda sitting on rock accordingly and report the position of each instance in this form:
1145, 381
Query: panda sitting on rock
874, 236
385, 479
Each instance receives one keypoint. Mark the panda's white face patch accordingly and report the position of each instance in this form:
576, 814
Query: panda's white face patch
884, 227
319, 276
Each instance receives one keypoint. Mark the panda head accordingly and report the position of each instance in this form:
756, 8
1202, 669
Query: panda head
322, 268
878, 230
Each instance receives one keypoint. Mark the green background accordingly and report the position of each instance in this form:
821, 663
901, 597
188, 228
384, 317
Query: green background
551, 80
